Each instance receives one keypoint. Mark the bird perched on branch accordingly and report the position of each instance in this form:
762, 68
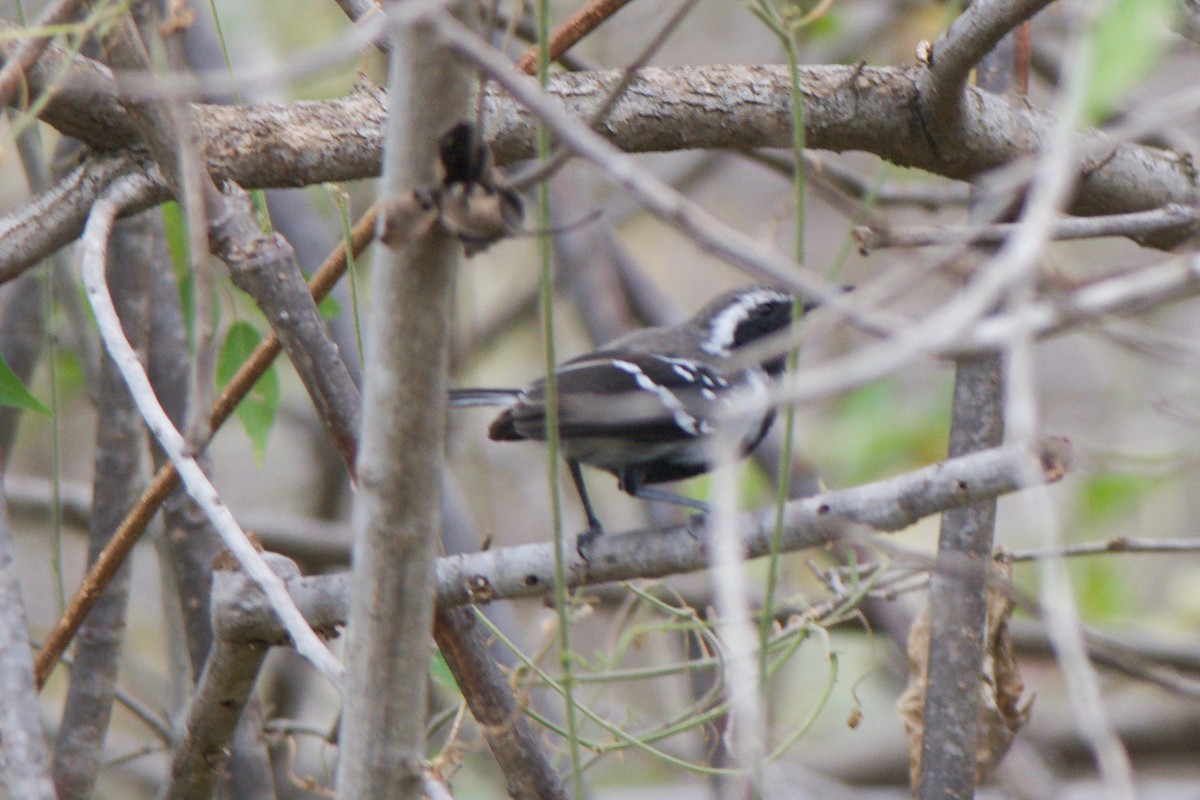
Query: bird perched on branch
647, 406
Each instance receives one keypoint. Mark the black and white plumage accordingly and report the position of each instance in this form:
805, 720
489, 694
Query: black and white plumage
645, 407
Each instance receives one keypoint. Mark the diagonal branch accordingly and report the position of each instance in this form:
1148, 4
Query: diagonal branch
95, 244
166, 478
973, 34
23, 56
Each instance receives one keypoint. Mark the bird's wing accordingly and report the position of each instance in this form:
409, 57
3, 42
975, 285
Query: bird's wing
640, 397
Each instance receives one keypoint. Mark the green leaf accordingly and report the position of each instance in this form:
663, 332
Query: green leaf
1128, 39
257, 410
1102, 589
440, 672
1106, 496
13, 392
883, 428
329, 307
175, 229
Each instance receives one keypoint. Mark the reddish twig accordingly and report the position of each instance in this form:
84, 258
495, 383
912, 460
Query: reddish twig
166, 479
581, 23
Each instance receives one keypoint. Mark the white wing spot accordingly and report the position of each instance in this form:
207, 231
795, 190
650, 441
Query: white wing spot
683, 372
683, 419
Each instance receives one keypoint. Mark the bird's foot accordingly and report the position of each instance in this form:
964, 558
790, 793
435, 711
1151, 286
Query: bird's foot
695, 523
585, 539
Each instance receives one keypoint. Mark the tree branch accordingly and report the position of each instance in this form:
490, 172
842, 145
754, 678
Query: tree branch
166, 479
734, 107
199, 487
527, 570
397, 515
24, 757
973, 34
117, 480
1137, 224
221, 693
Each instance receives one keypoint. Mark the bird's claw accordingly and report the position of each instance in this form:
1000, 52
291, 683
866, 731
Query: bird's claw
585, 539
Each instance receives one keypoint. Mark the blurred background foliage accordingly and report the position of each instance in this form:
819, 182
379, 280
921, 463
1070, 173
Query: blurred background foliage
642, 653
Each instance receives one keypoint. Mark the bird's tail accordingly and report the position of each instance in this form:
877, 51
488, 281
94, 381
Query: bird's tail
467, 398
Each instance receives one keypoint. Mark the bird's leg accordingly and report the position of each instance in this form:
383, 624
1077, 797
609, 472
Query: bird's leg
631, 483
594, 528
660, 496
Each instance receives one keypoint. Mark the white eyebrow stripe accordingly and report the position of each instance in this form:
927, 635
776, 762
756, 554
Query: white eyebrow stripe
724, 325
686, 422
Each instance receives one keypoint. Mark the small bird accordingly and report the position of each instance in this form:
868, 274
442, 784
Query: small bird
645, 407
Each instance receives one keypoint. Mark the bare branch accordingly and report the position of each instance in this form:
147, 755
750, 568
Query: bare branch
510, 735
222, 692
24, 757
397, 518
117, 480
24, 55
527, 570
736, 107
166, 479
1135, 225
585, 20
975, 32
95, 244
190, 545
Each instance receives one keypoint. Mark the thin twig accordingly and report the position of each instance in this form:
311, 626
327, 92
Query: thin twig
1134, 224
707, 231
117, 480
927, 195
1117, 544
166, 479
538, 173
13, 73
94, 250
579, 25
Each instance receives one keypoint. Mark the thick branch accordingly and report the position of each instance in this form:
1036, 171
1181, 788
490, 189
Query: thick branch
526, 570
117, 480
846, 108
974, 33
23, 753
397, 515
221, 694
